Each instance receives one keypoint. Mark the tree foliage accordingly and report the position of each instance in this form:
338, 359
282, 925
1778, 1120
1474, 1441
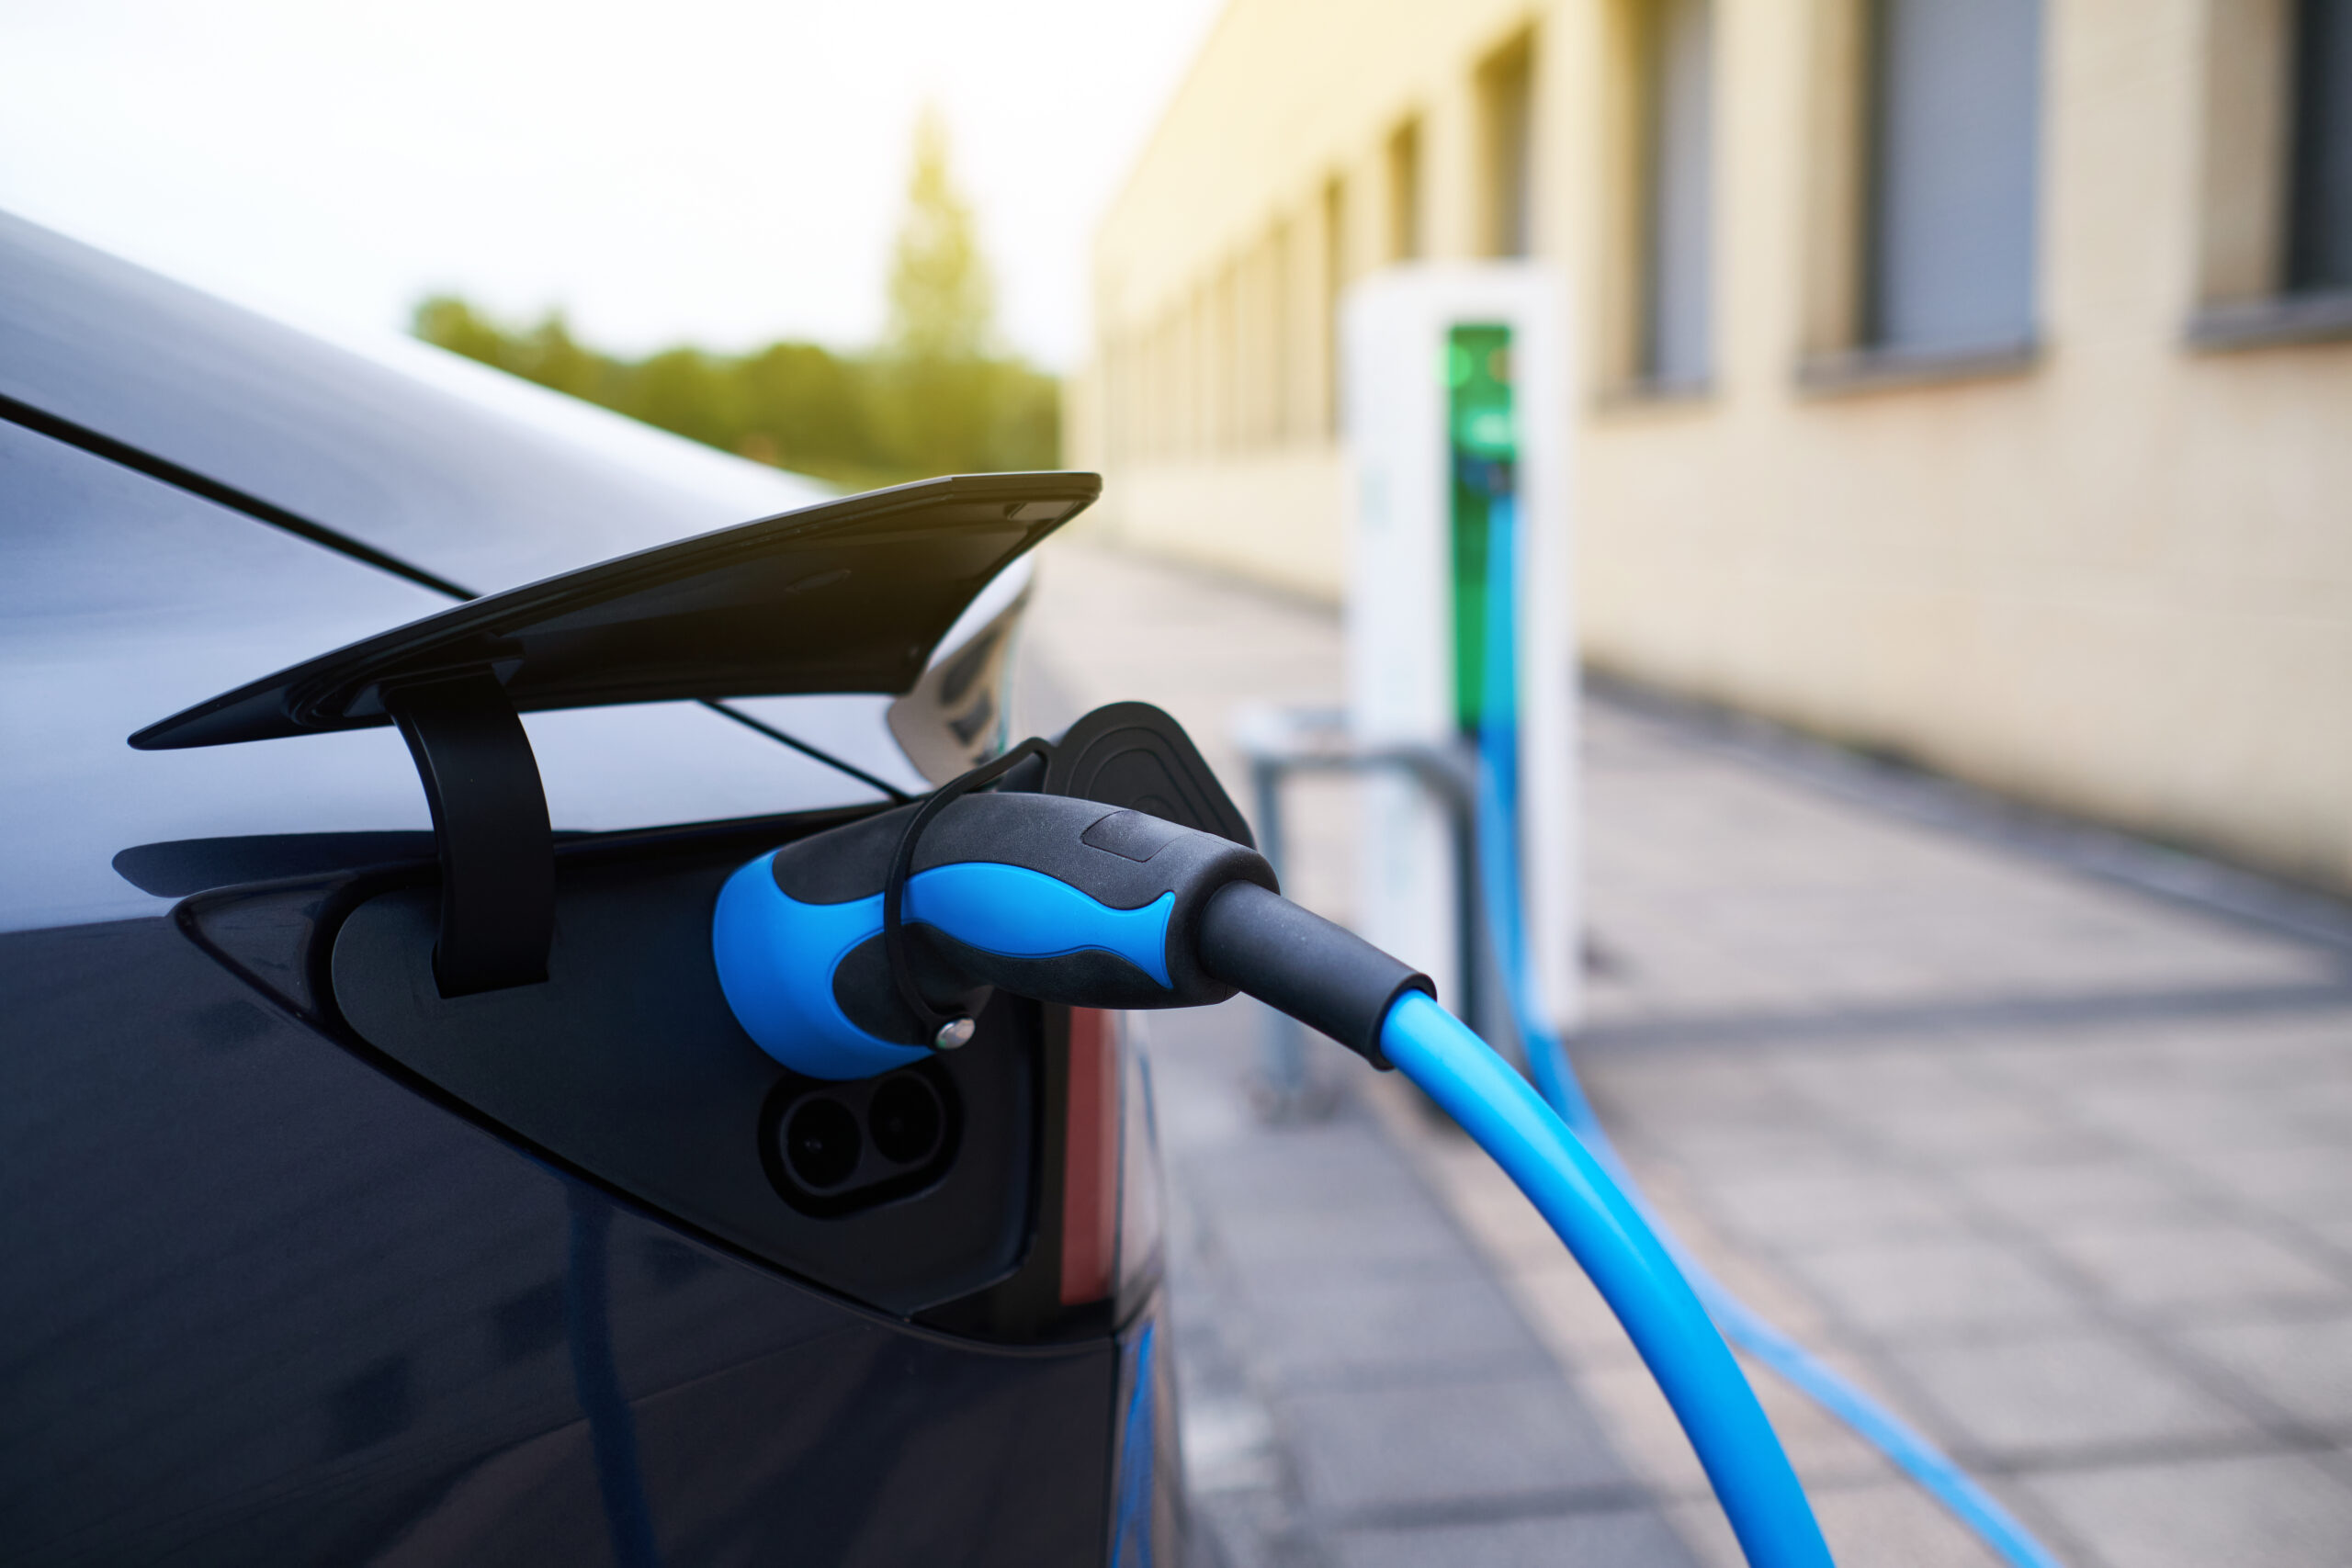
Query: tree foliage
936, 397
943, 302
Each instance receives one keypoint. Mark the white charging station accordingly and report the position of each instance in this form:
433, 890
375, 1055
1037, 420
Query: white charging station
1454, 381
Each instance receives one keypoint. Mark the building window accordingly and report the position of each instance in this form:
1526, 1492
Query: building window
1334, 281
1955, 120
1675, 55
1227, 375
2275, 264
2319, 225
1506, 102
1404, 192
1276, 322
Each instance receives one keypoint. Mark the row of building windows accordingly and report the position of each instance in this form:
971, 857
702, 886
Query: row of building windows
2319, 243
1942, 219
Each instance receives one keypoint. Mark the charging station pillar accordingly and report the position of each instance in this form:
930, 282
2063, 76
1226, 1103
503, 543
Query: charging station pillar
1456, 422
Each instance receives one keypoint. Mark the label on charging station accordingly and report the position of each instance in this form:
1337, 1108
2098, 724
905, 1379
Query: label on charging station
1484, 452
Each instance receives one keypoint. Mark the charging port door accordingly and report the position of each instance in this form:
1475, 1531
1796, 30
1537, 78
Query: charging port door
563, 990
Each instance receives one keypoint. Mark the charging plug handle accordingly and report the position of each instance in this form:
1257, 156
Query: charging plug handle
947, 1030
1045, 896
1300, 964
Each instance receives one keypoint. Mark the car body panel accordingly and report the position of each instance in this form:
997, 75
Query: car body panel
268, 1293
851, 594
266, 1303
453, 484
123, 599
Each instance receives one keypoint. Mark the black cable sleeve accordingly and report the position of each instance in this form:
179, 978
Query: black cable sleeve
1300, 964
902, 865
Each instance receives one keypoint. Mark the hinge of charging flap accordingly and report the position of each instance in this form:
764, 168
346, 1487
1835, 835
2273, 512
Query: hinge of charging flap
489, 822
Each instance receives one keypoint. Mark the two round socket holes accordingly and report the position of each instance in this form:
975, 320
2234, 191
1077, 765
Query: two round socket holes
821, 1143
839, 1147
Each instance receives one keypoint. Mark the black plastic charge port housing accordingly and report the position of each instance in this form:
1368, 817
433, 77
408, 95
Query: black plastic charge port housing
904, 1130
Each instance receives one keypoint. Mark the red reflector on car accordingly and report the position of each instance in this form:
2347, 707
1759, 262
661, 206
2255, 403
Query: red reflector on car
1090, 1152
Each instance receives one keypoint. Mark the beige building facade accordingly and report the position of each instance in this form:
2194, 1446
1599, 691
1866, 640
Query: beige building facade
1969, 379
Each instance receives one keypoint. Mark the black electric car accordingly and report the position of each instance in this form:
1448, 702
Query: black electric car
382, 1177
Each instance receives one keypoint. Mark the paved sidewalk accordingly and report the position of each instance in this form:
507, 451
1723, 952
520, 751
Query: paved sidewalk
2058, 1168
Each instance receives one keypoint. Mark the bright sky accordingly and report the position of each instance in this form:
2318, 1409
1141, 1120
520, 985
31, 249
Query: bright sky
718, 171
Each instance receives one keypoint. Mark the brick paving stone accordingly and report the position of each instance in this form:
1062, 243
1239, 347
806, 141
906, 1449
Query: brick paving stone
2277, 1510
1796, 1210
1727, 1153
2198, 1270
2310, 1181
2336, 1234
1379, 1328
1459, 1443
1278, 1243
2223, 1120
1600, 1540
2054, 1166
1313, 1171
1888, 1522
2047, 1394
1707, 1093
1882, 1083
1895, 1523
2302, 1365
2128, 1188
1968, 1132
1920, 1288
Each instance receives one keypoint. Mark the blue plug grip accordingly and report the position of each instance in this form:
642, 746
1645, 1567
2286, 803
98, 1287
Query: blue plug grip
776, 955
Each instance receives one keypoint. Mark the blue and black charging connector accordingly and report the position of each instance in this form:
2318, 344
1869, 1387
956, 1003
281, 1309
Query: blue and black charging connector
865, 948
1109, 870
1045, 896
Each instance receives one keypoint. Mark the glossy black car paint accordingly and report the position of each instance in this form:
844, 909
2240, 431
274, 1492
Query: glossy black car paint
349, 445
268, 1294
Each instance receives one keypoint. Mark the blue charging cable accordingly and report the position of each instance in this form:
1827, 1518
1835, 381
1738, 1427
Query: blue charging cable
1587, 1206
1498, 867
1062, 899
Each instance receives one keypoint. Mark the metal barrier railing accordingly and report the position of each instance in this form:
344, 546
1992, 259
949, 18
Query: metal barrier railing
1279, 742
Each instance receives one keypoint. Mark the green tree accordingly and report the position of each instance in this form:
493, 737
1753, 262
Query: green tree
935, 398
943, 401
943, 302
545, 353
445, 320
690, 392
807, 411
